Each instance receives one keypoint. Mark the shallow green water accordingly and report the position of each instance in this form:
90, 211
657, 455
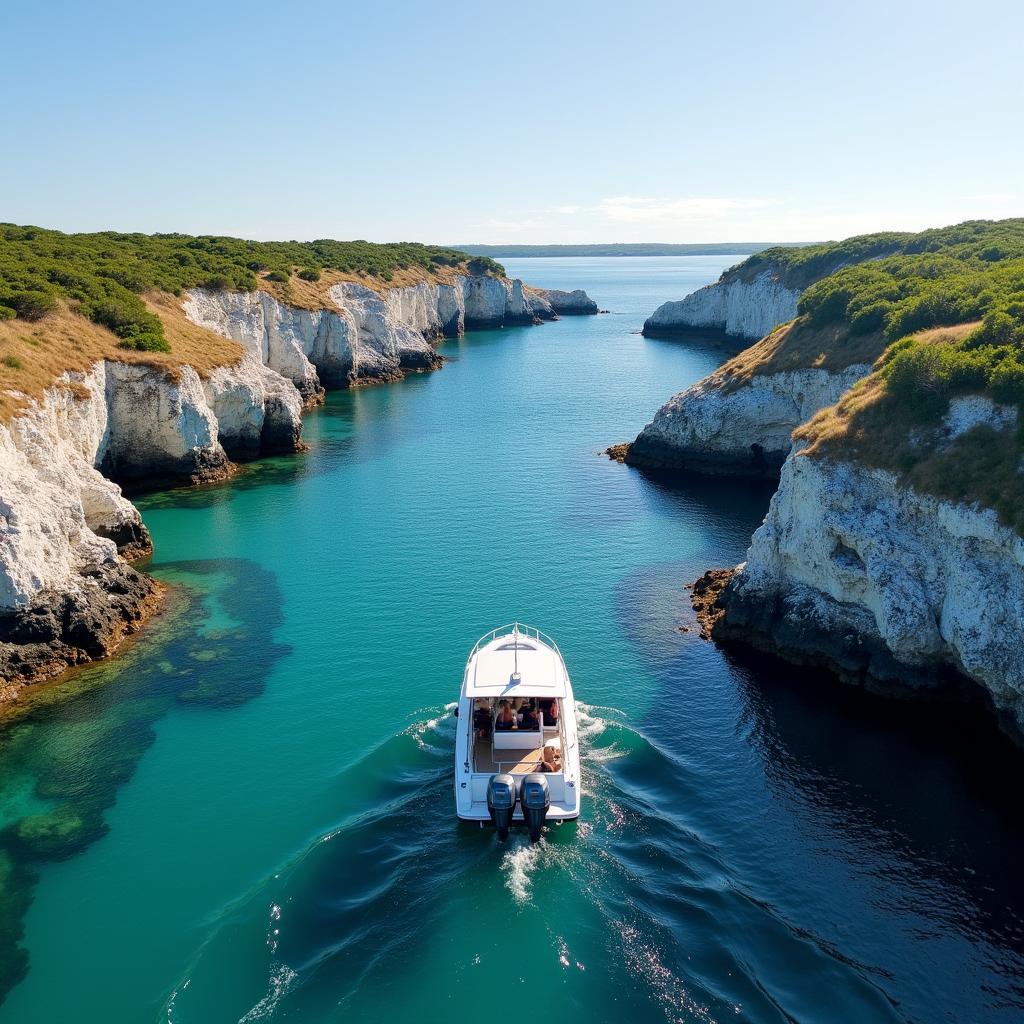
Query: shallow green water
252, 818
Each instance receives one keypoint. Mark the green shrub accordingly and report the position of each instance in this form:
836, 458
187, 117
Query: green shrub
147, 341
31, 304
1006, 382
281, 276
6, 313
480, 265
309, 274
12, 362
126, 317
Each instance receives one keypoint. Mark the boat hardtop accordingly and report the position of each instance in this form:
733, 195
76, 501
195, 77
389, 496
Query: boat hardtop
516, 749
516, 665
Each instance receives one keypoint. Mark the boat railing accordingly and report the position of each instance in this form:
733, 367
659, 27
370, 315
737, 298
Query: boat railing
519, 629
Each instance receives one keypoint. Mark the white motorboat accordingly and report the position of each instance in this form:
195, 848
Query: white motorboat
517, 755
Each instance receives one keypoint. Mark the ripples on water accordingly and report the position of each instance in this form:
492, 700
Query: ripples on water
377, 888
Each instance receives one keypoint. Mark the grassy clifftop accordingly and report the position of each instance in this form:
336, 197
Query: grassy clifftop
896, 286
948, 322
102, 275
68, 300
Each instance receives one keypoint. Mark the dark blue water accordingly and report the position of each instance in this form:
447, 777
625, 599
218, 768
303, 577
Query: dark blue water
259, 822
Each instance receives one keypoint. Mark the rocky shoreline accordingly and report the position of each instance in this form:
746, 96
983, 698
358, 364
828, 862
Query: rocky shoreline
898, 592
68, 594
853, 570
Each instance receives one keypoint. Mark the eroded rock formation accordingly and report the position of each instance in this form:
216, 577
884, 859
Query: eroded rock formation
723, 426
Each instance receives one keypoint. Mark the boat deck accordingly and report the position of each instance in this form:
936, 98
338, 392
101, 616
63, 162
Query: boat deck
515, 762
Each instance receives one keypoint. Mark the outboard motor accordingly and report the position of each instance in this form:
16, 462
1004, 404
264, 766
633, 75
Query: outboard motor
536, 800
501, 802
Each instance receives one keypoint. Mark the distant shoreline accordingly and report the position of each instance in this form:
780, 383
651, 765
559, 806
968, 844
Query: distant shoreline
625, 249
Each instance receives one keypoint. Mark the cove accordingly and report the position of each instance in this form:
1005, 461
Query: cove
262, 785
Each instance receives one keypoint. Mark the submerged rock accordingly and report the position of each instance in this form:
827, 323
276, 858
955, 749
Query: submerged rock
53, 835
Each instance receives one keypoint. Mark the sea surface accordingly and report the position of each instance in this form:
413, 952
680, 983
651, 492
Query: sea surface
248, 816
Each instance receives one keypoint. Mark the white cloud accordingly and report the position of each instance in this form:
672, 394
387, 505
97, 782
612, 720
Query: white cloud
688, 210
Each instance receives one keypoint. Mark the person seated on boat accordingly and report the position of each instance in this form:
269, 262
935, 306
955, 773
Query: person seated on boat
528, 719
482, 719
549, 708
550, 759
506, 717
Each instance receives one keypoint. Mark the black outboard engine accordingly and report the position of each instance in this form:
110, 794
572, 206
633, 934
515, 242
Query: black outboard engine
536, 800
501, 802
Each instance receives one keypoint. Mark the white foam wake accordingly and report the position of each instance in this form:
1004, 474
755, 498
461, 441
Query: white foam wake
518, 865
282, 978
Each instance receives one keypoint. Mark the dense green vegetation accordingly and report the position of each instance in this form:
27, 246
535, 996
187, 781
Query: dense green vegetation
103, 274
973, 271
800, 267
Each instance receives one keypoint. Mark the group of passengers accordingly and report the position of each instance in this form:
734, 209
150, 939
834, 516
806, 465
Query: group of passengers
526, 713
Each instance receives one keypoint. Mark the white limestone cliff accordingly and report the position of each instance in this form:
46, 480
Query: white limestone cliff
65, 594
56, 508
720, 425
740, 307
366, 335
854, 570
549, 302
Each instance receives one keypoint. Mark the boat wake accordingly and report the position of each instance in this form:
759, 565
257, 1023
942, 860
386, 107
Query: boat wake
632, 886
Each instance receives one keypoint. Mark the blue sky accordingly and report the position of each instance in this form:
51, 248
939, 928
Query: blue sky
484, 122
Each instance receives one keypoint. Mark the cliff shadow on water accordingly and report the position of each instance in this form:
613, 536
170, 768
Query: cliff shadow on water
910, 811
62, 763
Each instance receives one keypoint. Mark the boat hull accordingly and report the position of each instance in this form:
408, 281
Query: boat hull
478, 759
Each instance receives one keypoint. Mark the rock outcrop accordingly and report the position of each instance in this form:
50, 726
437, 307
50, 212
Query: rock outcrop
723, 426
855, 571
741, 307
67, 595
548, 302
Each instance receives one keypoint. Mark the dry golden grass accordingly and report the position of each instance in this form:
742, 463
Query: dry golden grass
858, 422
316, 294
795, 346
34, 355
190, 344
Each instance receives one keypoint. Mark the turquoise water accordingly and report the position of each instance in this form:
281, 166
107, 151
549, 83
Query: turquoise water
256, 820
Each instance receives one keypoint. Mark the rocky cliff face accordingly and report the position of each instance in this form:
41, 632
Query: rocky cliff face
719, 426
67, 594
367, 336
857, 572
739, 307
